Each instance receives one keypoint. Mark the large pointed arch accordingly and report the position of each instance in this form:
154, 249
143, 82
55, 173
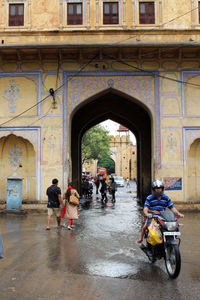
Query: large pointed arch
123, 109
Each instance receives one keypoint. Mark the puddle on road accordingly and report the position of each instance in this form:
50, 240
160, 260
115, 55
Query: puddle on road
111, 269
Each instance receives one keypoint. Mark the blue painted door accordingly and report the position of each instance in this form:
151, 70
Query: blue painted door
14, 194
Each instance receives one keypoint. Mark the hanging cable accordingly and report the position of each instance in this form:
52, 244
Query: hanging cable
153, 28
43, 116
35, 105
23, 112
119, 60
151, 72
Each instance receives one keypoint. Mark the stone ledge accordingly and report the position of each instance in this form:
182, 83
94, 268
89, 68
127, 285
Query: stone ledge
42, 207
26, 208
188, 206
12, 212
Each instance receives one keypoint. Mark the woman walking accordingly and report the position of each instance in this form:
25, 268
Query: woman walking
71, 209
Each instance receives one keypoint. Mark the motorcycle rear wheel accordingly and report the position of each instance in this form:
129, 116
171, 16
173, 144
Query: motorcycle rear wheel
173, 260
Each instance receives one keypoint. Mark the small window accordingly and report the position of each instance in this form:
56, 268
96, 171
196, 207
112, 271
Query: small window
147, 13
16, 14
74, 14
110, 13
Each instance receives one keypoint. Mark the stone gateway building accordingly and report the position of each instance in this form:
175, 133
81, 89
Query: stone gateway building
124, 154
68, 65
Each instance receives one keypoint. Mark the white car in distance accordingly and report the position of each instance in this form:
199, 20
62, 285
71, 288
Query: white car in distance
119, 181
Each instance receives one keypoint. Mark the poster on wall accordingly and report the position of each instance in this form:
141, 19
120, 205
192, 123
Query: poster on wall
172, 183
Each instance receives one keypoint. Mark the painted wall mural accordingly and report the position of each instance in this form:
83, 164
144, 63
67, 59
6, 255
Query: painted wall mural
81, 88
171, 144
139, 86
19, 92
20, 158
11, 94
51, 144
15, 156
171, 148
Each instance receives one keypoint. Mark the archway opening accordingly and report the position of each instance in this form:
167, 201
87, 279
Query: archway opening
122, 109
111, 146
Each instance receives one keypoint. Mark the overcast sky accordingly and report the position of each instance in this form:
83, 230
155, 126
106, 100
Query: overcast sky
112, 127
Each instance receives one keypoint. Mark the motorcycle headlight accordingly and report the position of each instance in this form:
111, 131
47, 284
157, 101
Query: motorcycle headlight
170, 226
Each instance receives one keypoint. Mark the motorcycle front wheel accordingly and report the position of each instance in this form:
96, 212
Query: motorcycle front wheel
173, 260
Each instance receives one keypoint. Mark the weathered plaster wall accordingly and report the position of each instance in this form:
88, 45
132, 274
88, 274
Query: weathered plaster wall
52, 15
18, 159
124, 152
177, 112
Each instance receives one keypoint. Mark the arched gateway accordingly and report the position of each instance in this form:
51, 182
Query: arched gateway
128, 111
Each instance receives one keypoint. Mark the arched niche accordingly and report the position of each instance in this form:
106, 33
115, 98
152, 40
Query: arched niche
18, 159
193, 165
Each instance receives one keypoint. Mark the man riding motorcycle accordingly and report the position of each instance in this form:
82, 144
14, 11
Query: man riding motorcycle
156, 203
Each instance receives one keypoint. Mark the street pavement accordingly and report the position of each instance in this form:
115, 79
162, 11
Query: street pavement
99, 259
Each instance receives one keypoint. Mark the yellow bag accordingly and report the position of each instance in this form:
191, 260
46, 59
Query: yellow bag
73, 200
154, 234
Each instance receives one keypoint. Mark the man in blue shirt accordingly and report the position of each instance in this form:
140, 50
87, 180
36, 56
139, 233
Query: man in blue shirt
155, 203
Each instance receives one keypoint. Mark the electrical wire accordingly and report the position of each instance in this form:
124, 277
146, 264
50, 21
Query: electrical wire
23, 112
41, 117
151, 72
155, 29
119, 60
56, 90
149, 53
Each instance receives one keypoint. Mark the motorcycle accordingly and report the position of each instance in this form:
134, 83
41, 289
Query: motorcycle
168, 248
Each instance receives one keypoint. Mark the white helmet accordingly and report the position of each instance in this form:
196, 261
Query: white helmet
157, 184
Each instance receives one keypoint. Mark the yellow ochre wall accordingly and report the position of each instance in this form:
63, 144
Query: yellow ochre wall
124, 155
46, 53
123, 152
52, 14
17, 151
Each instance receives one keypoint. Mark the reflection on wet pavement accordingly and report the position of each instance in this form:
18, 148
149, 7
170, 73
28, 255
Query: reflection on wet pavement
108, 237
102, 244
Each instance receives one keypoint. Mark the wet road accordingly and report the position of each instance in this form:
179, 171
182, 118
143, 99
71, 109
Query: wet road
98, 260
